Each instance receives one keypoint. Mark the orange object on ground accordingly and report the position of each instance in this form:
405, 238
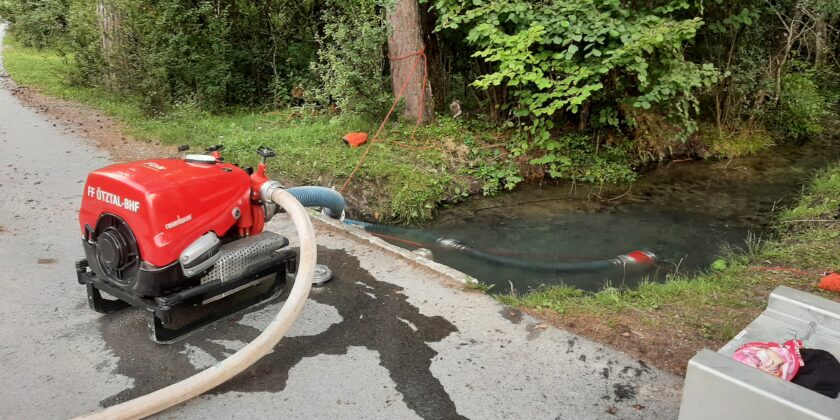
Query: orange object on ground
355, 139
830, 282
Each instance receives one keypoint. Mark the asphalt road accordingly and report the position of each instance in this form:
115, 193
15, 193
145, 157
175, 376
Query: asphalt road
387, 338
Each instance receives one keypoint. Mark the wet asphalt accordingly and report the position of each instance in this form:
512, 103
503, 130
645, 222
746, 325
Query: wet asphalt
386, 338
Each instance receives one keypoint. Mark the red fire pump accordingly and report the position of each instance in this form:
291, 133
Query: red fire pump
166, 233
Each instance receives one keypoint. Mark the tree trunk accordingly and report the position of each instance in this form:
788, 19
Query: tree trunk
407, 38
792, 34
109, 23
437, 52
820, 44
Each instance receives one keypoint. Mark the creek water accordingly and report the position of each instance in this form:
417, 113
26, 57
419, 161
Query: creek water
683, 212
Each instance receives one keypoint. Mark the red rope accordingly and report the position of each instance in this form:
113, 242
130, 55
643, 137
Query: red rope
395, 239
421, 55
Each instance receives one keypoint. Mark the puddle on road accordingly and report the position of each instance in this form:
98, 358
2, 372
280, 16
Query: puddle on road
373, 315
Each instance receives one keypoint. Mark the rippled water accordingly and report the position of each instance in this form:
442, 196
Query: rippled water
684, 212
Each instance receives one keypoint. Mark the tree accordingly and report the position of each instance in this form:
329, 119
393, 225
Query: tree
406, 39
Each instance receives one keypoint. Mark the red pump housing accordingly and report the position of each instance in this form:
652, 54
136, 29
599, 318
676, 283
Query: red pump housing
169, 203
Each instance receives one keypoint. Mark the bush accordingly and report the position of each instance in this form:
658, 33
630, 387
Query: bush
801, 107
84, 40
351, 65
732, 144
561, 57
36, 24
828, 82
578, 157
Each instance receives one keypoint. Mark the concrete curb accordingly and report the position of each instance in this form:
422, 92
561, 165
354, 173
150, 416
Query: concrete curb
361, 235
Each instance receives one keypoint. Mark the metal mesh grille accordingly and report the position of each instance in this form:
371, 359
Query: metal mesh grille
238, 256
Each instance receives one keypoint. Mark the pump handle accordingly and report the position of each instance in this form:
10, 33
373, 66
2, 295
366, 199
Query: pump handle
266, 152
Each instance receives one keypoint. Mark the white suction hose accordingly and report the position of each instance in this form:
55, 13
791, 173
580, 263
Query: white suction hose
220, 372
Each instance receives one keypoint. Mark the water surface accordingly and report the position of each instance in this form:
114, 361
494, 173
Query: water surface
683, 212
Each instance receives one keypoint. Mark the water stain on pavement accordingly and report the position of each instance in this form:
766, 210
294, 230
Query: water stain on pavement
373, 313
512, 315
630, 375
624, 392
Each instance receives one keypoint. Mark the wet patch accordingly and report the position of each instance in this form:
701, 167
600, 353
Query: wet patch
385, 323
634, 372
624, 392
534, 330
571, 342
512, 315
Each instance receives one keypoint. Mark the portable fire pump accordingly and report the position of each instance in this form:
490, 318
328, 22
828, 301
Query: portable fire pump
184, 233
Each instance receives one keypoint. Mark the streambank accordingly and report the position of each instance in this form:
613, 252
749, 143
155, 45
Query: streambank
666, 323
684, 213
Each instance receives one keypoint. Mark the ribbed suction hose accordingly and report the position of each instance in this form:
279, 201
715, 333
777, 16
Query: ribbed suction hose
219, 373
330, 200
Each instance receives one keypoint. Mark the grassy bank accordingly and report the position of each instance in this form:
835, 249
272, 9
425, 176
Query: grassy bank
395, 183
709, 309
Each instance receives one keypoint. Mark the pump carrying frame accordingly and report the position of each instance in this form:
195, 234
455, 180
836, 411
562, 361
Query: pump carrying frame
161, 311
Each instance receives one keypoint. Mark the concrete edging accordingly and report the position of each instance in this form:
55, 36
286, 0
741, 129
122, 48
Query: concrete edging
362, 235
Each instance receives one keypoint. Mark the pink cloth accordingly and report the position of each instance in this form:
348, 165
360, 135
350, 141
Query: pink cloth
780, 360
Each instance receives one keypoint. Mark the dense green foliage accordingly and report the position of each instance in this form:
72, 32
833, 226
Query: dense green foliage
576, 60
801, 107
213, 54
351, 58
38, 23
564, 56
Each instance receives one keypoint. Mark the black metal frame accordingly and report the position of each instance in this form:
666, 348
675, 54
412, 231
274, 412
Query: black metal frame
159, 309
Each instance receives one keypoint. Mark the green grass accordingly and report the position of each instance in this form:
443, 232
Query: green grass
725, 145
718, 303
395, 183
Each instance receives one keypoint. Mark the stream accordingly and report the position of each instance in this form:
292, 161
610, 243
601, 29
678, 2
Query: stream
684, 212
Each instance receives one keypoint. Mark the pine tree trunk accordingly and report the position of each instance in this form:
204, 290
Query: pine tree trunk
407, 38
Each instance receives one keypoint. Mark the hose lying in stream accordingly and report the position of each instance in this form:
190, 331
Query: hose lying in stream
333, 204
641, 259
217, 374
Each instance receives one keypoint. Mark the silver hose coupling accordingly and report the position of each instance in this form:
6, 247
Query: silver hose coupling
268, 188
